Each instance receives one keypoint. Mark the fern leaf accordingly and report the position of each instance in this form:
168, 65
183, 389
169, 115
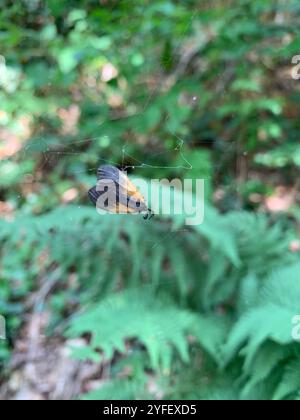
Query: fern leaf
290, 383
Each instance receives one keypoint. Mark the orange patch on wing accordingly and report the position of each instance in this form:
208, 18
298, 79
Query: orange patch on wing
122, 209
133, 191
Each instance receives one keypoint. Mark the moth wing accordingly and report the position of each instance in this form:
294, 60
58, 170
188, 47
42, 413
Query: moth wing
93, 195
124, 183
108, 172
108, 203
137, 204
128, 198
133, 191
132, 204
129, 188
122, 209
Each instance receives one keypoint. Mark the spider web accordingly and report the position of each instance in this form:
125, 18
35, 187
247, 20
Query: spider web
139, 164
70, 148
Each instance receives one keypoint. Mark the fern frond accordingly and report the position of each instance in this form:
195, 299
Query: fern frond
160, 326
156, 322
278, 303
290, 383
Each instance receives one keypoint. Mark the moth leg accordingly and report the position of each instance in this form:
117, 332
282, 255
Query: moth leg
149, 215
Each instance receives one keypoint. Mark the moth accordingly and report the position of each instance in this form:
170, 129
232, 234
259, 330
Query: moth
116, 194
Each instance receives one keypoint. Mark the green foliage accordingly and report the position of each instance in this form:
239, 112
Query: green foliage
168, 89
162, 330
170, 311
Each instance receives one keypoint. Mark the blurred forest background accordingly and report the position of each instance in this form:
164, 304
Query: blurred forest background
112, 306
